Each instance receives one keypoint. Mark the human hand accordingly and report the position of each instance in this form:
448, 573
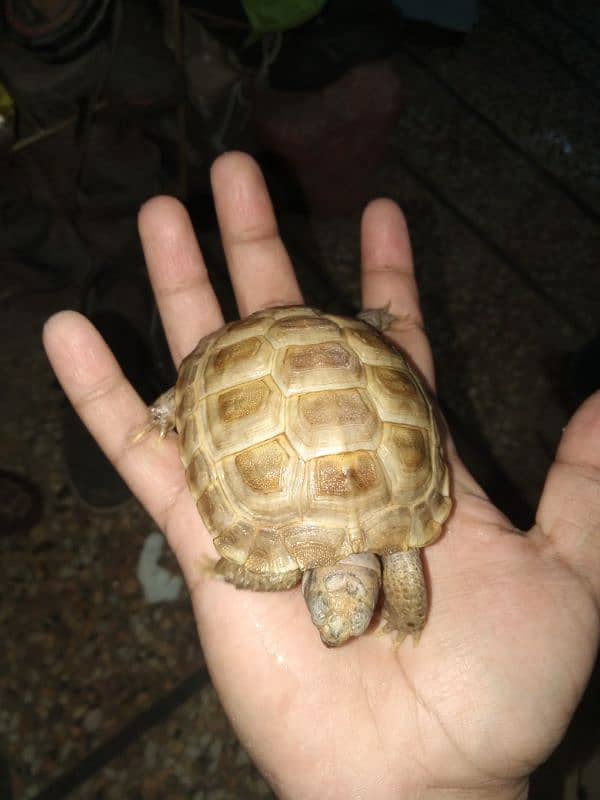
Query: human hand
513, 626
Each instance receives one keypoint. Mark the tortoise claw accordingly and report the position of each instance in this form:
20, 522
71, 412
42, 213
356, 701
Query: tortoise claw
161, 417
398, 636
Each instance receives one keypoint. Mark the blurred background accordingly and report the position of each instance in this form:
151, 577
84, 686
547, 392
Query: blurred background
481, 121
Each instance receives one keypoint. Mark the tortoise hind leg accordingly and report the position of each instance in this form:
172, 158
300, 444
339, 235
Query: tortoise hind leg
243, 578
405, 606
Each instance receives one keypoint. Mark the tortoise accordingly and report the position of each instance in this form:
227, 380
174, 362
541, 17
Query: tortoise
312, 452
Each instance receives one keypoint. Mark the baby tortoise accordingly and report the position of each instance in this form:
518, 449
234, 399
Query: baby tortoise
312, 453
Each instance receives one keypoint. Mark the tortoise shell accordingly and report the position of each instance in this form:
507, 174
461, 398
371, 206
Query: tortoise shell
307, 437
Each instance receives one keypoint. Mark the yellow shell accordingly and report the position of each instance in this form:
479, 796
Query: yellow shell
306, 437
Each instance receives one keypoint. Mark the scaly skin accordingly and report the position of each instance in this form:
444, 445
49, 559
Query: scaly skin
405, 608
243, 578
341, 597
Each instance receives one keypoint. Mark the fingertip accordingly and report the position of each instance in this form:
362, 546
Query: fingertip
241, 197
76, 350
162, 212
231, 164
61, 327
383, 208
580, 442
259, 266
590, 408
385, 236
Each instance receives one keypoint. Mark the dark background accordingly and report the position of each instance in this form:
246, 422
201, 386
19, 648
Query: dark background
487, 136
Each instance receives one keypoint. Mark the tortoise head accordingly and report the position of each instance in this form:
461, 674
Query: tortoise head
341, 597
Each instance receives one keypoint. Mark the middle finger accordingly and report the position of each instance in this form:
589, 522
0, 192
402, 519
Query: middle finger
260, 268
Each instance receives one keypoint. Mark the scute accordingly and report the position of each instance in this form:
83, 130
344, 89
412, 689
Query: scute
215, 508
253, 326
242, 401
235, 363
198, 474
332, 421
236, 542
406, 455
314, 545
387, 530
343, 487
302, 331
263, 467
346, 474
269, 553
367, 344
264, 480
397, 396
243, 415
301, 368
189, 439
307, 438
344, 407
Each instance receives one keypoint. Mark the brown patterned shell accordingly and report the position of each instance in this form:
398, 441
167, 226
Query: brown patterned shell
305, 438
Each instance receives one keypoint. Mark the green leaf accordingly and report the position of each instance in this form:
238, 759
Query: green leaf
280, 15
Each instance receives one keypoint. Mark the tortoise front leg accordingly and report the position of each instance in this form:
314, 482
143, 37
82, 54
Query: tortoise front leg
161, 416
405, 593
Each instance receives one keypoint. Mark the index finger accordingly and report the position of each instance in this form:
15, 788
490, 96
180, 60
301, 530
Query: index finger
113, 413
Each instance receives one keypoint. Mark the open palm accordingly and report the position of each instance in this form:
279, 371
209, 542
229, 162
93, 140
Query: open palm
513, 625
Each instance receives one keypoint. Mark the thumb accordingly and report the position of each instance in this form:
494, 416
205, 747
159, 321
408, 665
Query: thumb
568, 517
